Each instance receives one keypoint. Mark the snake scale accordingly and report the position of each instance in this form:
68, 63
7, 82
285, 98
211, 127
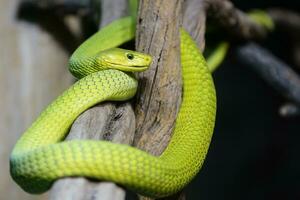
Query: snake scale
41, 156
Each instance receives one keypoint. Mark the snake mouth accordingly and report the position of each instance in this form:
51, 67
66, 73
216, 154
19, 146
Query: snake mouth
130, 68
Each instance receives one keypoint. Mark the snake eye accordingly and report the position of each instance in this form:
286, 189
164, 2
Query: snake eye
130, 56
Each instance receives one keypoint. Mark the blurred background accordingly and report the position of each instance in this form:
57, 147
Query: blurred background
254, 152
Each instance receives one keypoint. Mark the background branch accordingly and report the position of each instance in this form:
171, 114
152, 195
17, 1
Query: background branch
278, 74
236, 22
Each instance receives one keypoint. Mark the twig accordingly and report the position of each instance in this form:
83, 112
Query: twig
234, 21
278, 74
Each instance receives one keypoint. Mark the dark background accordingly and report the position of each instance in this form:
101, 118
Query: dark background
254, 152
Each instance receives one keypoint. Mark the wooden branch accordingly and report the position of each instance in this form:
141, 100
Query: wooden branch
160, 87
159, 96
278, 74
234, 21
107, 121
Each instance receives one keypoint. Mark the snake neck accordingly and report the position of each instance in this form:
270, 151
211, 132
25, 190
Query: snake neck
123, 31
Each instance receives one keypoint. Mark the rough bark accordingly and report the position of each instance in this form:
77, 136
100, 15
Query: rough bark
159, 102
107, 121
158, 35
159, 99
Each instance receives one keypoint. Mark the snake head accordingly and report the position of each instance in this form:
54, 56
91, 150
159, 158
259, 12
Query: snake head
124, 60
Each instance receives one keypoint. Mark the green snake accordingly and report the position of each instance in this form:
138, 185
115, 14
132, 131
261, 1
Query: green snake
40, 156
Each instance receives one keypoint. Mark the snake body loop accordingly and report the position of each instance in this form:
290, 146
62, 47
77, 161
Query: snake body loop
40, 157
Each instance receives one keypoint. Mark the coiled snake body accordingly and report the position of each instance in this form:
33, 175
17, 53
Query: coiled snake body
40, 156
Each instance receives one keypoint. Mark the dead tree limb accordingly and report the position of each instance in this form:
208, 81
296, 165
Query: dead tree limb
159, 97
160, 87
159, 101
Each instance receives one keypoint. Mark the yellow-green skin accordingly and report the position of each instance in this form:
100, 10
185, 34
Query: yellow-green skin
40, 157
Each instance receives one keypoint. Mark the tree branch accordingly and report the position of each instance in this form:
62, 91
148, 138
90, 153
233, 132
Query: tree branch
159, 96
275, 72
236, 22
160, 86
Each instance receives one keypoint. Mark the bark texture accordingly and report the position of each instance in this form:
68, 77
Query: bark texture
159, 96
158, 35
